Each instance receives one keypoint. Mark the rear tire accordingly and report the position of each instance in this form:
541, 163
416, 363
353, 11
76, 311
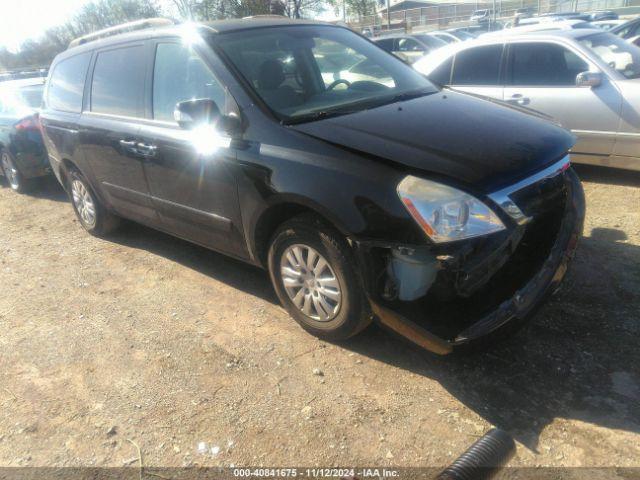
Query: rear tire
92, 215
327, 300
12, 175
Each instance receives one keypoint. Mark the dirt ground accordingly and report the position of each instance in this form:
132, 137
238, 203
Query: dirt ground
187, 353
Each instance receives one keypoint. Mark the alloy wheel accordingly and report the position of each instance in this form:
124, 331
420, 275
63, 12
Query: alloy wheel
10, 171
83, 203
310, 282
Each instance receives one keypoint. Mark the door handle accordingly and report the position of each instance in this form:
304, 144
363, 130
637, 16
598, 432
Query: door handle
519, 99
146, 150
128, 145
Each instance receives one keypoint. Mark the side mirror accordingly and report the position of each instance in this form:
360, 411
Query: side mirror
192, 113
588, 79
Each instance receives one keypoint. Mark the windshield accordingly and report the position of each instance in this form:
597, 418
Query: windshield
307, 72
20, 101
462, 35
31, 96
622, 56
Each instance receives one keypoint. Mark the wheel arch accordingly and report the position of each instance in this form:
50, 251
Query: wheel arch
66, 165
280, 212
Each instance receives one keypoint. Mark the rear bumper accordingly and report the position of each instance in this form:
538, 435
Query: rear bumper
521, 302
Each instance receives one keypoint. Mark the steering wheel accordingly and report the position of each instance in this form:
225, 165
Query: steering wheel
337, 82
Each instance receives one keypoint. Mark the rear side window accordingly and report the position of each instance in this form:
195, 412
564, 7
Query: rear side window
442, 74
386, 44
118, 82
409, 45
477, 66
179, 74
544, 64
67, 83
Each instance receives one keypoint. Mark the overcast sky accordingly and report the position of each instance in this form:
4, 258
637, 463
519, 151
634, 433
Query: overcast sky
22, 19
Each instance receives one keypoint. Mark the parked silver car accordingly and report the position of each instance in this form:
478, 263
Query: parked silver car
586, 79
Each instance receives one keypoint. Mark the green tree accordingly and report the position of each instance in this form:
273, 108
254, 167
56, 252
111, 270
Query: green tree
360, 8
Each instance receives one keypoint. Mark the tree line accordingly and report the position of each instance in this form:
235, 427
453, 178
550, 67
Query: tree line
99, 14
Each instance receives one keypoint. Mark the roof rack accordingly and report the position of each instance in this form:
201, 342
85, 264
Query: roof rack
266, 15
125, 27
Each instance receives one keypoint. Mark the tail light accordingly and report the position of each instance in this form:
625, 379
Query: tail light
31, 123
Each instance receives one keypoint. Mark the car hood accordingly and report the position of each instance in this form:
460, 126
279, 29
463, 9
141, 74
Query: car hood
468, 139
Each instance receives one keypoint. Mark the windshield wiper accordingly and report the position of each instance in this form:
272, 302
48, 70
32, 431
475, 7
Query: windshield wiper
402, 97
357, 106
321, 115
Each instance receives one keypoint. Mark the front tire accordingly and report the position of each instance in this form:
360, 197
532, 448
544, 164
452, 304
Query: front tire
315, 278
14, 178
92, 215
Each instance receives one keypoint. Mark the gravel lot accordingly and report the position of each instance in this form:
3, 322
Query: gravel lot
147, 338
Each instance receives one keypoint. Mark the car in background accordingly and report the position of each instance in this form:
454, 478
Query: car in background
607, 25
20, 74
445, 36
602, 15
568, 15
585, 79
628, 30
481, 16
461, 33
23, 156
410, 47
478, 29
525, 12
540, 27
363, 199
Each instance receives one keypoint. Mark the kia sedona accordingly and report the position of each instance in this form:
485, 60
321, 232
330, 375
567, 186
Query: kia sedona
446, 217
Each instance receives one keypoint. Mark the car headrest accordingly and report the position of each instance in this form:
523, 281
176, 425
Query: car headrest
270, 75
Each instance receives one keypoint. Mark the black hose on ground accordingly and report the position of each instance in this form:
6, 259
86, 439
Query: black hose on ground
483, 459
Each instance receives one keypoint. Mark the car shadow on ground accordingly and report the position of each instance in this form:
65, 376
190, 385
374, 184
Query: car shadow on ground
46, 188
578, 358
230, 271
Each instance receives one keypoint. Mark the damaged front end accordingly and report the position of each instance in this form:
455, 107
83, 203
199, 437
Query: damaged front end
444, 295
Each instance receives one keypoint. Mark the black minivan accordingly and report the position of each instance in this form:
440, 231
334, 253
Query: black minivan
365, 190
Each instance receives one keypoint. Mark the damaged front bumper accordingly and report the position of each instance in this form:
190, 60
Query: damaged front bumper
484, 285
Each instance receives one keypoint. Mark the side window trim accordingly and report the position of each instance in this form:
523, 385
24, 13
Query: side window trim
231, 105
86, 77
86, 104
501, 66
508, 82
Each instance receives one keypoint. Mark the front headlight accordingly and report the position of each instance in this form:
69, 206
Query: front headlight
445, 213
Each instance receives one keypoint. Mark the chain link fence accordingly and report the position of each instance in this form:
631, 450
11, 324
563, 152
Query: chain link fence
458, 13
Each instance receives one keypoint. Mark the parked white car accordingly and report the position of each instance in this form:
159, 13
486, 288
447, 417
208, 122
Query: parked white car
544, 24
588, 80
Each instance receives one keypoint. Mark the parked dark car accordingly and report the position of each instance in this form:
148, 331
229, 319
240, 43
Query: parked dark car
410, 47
22, 153
448, 218
602, 15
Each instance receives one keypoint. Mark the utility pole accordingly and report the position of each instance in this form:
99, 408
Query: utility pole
494, 15
344, 11
388, 15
